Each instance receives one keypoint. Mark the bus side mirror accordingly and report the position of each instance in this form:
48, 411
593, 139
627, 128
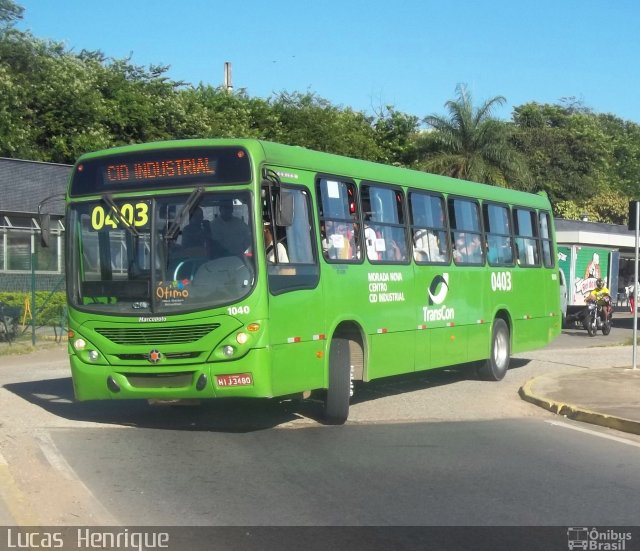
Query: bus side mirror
284, 209
45, 229
45, 219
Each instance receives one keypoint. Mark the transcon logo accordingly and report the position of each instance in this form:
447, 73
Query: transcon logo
437, 293
438, 289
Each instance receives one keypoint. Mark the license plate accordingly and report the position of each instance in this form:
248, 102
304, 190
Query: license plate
238, 379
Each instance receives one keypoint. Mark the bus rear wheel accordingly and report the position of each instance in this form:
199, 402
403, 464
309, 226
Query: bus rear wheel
495, 367
336, 404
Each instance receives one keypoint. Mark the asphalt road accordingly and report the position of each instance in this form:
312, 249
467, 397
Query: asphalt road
496, 473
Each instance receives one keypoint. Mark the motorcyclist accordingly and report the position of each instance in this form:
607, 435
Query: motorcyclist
601, 296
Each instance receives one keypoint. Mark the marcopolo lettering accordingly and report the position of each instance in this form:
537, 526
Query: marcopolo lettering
153, 319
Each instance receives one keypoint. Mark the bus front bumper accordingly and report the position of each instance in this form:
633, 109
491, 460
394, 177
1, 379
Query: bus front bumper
246, 377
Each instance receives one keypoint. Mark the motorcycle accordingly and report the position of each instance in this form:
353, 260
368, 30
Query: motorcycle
594, 317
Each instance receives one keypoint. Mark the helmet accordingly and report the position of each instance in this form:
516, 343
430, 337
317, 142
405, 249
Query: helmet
599, 283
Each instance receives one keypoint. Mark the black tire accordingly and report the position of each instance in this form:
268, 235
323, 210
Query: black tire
592, 325
336, 404
606, 327
495, 367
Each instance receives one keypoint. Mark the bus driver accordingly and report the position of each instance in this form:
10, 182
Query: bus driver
229, 233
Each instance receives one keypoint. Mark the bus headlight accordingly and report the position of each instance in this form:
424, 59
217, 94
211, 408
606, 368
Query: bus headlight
93, 355
228, 351
242, 338
79, 344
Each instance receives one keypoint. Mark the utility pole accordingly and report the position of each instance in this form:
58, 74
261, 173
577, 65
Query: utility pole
228, 85
634, 224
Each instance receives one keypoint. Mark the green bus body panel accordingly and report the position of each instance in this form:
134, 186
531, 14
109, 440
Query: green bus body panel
400, 327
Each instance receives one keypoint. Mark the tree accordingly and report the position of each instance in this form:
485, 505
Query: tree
624, 160
10, 13
471, 145
609, 207
310, 121
566, 148
396, 134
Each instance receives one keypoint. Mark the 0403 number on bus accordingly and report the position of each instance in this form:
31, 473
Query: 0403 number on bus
501, 281
133, 215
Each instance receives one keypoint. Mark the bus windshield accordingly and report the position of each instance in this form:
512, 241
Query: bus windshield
161, 255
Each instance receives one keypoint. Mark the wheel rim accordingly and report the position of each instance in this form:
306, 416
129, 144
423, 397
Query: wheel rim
501, 349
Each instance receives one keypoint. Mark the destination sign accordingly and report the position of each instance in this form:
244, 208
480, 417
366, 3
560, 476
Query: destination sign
161, 168
154, 170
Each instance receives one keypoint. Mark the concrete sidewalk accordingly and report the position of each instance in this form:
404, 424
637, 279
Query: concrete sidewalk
603, 389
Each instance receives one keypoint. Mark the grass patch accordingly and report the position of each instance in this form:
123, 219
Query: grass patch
22, 346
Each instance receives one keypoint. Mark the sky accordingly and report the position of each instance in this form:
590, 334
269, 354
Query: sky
370, 54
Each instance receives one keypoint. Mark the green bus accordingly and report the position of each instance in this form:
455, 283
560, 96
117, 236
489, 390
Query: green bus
244, 268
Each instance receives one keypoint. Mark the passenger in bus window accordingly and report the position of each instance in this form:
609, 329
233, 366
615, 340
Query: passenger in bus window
371, 242
495, 250
271, 250
341, 241
354, 240
336, 241
460, 252
499, 250
325, 239
427, 247
397, 251
468, 248
474, 249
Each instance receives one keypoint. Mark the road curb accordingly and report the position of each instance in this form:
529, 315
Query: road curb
575, 412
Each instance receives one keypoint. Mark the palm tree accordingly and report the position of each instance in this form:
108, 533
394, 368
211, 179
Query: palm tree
471, 145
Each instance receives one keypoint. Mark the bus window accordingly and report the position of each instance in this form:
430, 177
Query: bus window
291, 259
466, 233
545, 236
497, 223
428, 228
385, 233
339, 228
526, 229
210, 256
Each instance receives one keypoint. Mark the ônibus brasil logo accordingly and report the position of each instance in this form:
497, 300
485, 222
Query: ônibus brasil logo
437, 293
597, 539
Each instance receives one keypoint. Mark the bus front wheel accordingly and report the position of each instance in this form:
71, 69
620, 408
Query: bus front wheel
336, 404
495, 367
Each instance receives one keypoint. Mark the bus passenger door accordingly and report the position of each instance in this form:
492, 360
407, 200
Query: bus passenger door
296, 318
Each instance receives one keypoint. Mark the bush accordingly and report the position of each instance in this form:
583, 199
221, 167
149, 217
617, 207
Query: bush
50, 307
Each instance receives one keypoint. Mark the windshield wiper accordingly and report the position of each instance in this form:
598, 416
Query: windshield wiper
189, 205
116, 211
